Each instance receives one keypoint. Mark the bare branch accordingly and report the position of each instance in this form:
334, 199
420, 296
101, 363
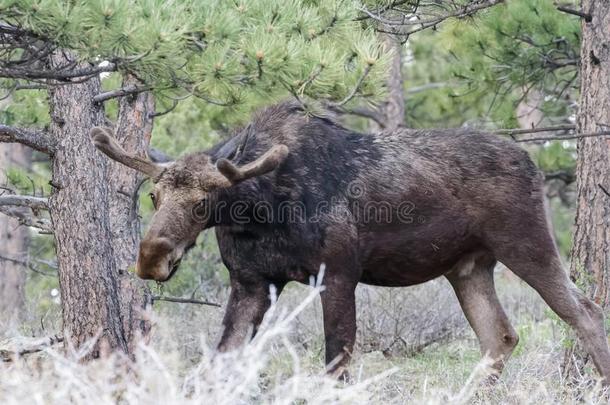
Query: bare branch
35, 139
565, 176
167, 111
427, 86
16, 348
183, 300
158, 156
383, 9
43, 224
398, 26
122, 92
518, 131
563, 137
586, 16
65, 74
35, 203
360, 112
28, 264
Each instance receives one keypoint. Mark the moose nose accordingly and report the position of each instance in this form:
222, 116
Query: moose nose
154, 259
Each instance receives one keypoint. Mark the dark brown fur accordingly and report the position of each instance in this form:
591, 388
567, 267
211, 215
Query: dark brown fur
454, 203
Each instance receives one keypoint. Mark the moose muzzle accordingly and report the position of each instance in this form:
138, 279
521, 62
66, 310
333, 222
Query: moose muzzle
158, 259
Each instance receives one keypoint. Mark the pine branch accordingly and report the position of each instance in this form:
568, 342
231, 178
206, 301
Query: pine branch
183, 300
352, 93
35, 139
397, 26
382, 10
122, 92
167, 111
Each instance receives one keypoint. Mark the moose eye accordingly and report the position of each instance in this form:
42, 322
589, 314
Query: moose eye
153, 199
200, 210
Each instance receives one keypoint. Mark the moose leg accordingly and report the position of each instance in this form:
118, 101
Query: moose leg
473, 282
541, 268
245, 311
339, 311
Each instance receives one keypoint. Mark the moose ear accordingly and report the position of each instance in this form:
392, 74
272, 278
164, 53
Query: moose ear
264, 164
105, 142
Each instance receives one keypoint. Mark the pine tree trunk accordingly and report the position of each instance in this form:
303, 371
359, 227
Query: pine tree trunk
133, 130
95, 303
590, 265
14, 243
393, 109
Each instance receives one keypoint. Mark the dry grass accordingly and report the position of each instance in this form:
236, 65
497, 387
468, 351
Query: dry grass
284, 363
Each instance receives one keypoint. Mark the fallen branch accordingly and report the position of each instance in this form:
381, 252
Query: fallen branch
183, 300
15, 348
35, 139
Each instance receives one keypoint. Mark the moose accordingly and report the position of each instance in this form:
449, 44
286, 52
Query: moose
390, 209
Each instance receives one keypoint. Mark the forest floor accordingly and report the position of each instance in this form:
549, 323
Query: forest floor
284, 363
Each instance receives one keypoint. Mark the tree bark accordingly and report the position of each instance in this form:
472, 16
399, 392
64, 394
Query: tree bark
590, 265
393, 109
133, 129
96, 304
14, 243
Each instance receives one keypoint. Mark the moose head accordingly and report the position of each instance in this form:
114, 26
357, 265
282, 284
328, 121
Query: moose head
184, 194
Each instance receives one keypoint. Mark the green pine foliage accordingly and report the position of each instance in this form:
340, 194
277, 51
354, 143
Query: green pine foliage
226, 52
486, 65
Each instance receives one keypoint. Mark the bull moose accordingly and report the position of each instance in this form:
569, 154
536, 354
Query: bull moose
446, 203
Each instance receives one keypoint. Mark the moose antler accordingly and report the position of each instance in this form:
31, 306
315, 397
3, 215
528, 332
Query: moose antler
264, 164
106, 143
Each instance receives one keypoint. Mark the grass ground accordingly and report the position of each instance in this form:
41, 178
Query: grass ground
284, 363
